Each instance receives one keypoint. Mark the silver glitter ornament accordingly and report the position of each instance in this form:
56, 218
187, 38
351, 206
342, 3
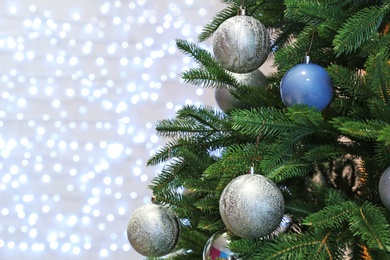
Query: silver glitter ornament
153, 230
241, 44
217, 247
226, 101
251, 206
384, 188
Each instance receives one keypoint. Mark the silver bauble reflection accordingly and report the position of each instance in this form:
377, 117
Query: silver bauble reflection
153, 230
384, 188
226, 101
251, 206
217, 247
241, 44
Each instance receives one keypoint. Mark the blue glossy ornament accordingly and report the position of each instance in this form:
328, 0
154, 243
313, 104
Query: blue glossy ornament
308, 84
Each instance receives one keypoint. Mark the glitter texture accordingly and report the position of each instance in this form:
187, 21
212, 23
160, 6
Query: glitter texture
251, 206
153, 230
241, 44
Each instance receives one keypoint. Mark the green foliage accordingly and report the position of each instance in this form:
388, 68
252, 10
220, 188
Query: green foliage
378, 79
330, 217
300, 208
370, 225
359, 129
297, 246
358, 28
384, 135
327, 163
313, 12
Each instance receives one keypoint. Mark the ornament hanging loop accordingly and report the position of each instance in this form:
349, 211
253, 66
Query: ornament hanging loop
307, 59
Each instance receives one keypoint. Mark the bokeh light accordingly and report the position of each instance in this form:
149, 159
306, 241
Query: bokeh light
82, 84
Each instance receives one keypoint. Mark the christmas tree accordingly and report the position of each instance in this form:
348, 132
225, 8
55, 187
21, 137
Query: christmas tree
326, 161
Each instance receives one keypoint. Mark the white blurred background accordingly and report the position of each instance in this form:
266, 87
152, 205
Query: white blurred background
82, 85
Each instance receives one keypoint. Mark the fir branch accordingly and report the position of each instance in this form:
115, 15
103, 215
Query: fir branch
293, 54
333, 197
331, 217
206, 116
304, 115
312, 12
280, 152
270, 13
207, 78
236, 160
225, 171
366, 130
211, 223
378, 109
200, 55
288, 169
164, 178
283, 37
374, 45
273, 122
359, 28
201, 185
192, 121
324, 153
370, 224
349, 83
384, 135
181, 127
212, 26
210, 74
287, 129
378, 76
382, 155
208, 205
245, 246
300, 208
170, 150
296, 246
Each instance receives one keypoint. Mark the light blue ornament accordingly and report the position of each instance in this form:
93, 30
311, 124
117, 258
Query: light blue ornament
308, 84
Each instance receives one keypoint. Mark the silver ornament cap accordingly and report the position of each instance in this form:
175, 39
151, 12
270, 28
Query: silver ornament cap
153, 230
251, 206
241, 44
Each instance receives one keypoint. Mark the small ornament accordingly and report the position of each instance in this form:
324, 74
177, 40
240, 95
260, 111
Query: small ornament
307, 83
384, 188
241, 43
153, 230
251, 206
284, 226
226, 101
217, 247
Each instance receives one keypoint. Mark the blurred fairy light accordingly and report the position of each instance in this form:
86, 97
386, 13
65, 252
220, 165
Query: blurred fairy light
82, 85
